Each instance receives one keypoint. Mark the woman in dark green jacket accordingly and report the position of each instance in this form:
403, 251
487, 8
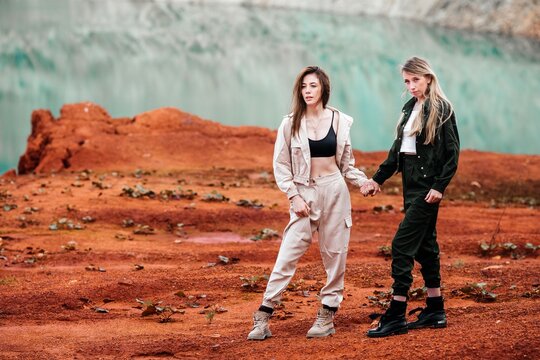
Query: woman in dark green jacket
425, 151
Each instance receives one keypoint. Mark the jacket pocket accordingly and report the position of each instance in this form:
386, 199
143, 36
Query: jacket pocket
298, 162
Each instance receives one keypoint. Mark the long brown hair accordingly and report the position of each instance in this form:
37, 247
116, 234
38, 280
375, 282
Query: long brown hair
298, 104
437, 101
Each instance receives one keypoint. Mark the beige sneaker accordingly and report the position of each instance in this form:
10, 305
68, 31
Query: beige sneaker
260, 330
323, 325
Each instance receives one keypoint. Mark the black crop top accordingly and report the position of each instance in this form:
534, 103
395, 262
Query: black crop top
325, 147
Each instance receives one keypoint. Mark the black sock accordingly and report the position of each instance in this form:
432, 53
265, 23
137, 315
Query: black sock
397, 308
266, 309
435, 303
334, 309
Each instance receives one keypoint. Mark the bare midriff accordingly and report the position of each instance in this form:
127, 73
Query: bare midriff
322, 166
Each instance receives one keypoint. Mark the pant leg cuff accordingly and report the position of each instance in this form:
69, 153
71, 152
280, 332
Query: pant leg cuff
268, 304
401, 292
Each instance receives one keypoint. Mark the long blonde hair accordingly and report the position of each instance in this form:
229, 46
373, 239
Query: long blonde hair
438, 103
298, 104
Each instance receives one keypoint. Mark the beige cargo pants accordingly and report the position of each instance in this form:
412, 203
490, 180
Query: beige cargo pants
330, 214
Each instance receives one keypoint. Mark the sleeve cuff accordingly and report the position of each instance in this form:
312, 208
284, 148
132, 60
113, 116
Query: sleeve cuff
292, 193
378, 179
439, 187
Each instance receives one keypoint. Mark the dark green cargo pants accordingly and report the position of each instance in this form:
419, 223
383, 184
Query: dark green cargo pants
416, 237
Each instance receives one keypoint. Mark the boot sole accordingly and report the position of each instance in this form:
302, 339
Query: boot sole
264, 337
430, 326
395, 332
328, 333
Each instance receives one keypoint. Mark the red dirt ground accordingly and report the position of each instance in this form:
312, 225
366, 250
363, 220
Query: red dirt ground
48, 298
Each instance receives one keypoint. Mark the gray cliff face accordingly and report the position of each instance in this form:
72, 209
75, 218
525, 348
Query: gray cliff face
508, 17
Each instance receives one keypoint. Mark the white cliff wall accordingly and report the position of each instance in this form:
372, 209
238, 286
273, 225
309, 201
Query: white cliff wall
509, 17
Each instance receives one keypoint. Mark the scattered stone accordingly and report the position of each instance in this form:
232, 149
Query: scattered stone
100, 185
144, 230
9, 207
383, 208
88, 219
77, 184
93, 267
126, 282
123, 236
70, 245
65, 224
128, 223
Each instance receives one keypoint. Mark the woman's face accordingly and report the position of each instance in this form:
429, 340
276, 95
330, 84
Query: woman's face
416, 84
311, 89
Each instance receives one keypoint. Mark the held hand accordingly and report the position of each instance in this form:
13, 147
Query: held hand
433, 196
366, 189
376, 187
299, 206
371, 187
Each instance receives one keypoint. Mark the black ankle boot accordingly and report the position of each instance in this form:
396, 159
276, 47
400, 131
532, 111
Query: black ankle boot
433, 315
392, 322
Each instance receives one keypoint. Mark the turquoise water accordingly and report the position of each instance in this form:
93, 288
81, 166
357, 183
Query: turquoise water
236, 65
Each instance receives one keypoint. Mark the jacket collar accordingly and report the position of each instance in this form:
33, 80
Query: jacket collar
409, 105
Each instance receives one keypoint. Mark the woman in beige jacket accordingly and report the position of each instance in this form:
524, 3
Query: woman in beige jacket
313, 157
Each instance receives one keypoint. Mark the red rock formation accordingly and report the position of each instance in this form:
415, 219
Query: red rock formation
85, 136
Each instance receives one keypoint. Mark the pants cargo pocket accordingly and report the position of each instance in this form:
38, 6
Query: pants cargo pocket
348, 221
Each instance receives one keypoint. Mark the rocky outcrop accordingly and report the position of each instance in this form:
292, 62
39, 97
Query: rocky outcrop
509, 17
86, 137
53, 142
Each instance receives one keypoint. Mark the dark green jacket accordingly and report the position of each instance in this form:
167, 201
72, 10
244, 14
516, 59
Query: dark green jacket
438, 161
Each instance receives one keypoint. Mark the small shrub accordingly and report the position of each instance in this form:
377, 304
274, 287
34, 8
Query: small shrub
164, 313
177, 194
256, 204
137, 192
486, 249
477, 292
265, 233
534, 293
385, 251
380, 298
417, 293
253, 283
215, 196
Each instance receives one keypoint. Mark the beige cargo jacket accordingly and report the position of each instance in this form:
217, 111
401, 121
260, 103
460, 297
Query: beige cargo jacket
292, 158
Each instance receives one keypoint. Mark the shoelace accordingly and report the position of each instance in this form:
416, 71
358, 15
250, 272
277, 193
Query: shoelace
321, 318
257, 321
